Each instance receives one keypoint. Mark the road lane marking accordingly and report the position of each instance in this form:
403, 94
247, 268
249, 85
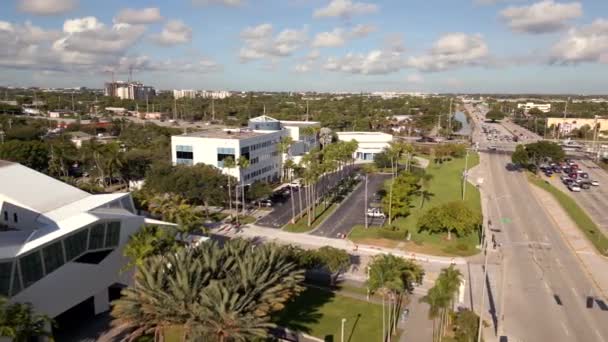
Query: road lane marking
575, 292
565, 329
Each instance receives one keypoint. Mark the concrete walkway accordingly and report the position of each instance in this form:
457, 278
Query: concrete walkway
593, 263
269, 234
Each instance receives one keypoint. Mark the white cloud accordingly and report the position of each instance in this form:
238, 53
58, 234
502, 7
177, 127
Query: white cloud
361, 31
231, 3
451, 51
81, 25
585, 44
333, 38
541, 17
303, 67
313, 55
174, 32
345, 9
46, 7
415, 78
139, 16
376, 62
260, 43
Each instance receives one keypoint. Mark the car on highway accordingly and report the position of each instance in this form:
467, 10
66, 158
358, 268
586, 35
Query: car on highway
594, 183
375, 212
492, 147
264, 203
574, 187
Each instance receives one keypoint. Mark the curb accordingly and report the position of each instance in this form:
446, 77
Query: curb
582, 263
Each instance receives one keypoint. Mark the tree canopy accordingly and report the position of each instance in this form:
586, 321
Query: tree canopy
495, 115
405, 186
450, 217
537, 153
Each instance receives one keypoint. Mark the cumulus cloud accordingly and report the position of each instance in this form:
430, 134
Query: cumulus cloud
231, 3
451, 51
345, 9
174, 32
542, 17
333, 38
375, 62
139, 16
46, 7
585, 44
259, 42
84, 45
338, 36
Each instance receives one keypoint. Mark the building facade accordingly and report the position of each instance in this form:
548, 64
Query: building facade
129, 90
259, 143
567, 125
545, 108
61, 246
369, 143
184, 93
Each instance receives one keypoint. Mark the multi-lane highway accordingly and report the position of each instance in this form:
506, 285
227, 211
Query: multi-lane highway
542, 289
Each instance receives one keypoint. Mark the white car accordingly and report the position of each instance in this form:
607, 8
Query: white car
574, 187
375, 212
594, 183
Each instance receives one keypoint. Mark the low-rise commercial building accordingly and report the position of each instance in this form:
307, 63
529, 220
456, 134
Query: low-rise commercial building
545, 108
61, 246
567, 125
369, 143
181, 93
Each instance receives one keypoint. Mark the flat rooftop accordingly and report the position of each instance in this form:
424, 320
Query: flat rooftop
362, 133
226, 134
300, 123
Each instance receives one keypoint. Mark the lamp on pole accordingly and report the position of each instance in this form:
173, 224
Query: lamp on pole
342, 330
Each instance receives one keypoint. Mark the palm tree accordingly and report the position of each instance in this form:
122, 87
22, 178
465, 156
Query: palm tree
368, 169
284, 146
213, 293
19, 322
229, 164
243, 163
441, 299
425, 180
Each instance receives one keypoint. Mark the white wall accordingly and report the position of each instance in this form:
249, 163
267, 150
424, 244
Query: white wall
368, 142
74, 282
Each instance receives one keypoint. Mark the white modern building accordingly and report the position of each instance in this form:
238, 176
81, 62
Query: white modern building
259, 143
370, 143
215, 94
61, 247
187, 93
545, 108
129, 90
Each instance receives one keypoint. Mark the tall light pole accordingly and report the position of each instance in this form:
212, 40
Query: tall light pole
465, 174
483, 287
342, 330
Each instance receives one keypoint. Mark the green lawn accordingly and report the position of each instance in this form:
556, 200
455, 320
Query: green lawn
319, 312
576, 213
301, 225
446, 186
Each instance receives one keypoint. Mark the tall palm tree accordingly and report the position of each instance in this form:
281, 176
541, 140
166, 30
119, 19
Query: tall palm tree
229, 164
284, 146
368, 169
243, 164
425, 180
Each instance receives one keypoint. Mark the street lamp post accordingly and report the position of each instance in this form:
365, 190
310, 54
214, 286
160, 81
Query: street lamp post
342, 330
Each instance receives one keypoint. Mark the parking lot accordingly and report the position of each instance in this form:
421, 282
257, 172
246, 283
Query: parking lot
351, 212
592, 198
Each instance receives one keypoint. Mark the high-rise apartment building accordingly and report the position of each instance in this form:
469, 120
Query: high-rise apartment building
129, 90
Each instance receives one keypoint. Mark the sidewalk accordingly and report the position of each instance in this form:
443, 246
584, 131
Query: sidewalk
594, 264
313, 241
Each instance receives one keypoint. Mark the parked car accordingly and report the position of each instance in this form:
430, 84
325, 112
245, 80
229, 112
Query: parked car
265, 203
574, 187
594, 183
375, 212
584, 175
296, 183
585, 185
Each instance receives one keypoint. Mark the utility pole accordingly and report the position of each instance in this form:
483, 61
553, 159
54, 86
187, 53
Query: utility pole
465, 174
147, 104
342, 330
566, 107
212, 109
595, 134
483, 287
450, 118
174, 109
306, 109
73, 102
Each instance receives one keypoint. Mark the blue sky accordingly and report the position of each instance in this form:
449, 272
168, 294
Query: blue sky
512, 46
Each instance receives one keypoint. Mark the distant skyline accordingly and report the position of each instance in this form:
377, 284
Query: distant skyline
486, 46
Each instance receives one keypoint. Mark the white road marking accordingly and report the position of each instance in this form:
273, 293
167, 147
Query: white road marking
575, 292
565, 329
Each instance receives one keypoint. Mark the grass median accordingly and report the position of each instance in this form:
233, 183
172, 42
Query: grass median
301, 225
576, 213
446, 186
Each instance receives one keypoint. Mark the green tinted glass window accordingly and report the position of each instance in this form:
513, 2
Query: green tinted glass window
16, 282
96, 236
113, 234
53, 257
5, 277
31, 268
76, 244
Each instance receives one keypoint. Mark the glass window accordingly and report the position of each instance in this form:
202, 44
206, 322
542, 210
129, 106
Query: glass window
53, 257
113, 235
127, 204
5, 277
16, 281
96, 236
5, 215
15, 218
76, 244
31, 268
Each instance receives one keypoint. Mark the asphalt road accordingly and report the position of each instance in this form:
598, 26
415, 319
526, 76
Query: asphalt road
544, 282
282, 211
351, 211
